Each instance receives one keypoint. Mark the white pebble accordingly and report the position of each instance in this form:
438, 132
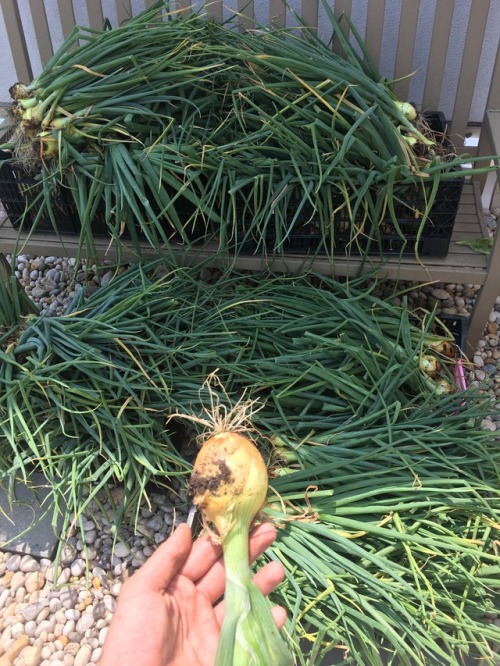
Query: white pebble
83, 656
29, 564
69, 627
43, 615
32, 655
110, 604
96, 655
47, 651
91, 553
4, 597
78, 567
34, 581
55, 605
20, 594
93, 642
102, 635
68, 597
17, 581
52, 574
98, 572
58, 629
72, 614
45, 626
84, 623
30, 628
17, 630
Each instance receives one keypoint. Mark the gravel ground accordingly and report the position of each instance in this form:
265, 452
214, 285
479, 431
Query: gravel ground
66, 625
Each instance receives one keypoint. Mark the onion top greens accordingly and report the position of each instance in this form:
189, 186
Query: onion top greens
385, 493
175, 128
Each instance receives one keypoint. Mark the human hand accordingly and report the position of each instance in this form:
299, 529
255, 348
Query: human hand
167, 613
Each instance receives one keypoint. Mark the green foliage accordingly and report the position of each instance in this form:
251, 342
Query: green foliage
175, 128
386, 493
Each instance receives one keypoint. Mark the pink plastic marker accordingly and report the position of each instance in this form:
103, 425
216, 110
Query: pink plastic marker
459, 374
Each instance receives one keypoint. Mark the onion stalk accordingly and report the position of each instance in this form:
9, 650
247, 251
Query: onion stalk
229, 484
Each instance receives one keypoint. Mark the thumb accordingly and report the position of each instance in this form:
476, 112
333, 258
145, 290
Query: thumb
157, 572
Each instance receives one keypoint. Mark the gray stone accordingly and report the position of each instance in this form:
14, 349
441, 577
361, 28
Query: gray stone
121, 550
32, 611
106, 278
478, 361
53, 274
67, 555
90, 537
487, 424
155, 523
440, 294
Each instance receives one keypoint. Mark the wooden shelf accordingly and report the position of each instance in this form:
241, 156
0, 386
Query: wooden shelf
460, 265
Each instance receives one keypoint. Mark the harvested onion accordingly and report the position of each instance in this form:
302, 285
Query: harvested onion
229, 484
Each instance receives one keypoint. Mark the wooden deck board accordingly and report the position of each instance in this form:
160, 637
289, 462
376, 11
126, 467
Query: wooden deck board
461, 263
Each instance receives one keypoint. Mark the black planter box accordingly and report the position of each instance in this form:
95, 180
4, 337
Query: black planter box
457, 325
432, 240
18, 189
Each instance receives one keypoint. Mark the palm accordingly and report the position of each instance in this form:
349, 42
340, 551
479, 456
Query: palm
166, 613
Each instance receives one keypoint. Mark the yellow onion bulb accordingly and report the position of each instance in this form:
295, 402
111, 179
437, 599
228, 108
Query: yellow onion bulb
229, 481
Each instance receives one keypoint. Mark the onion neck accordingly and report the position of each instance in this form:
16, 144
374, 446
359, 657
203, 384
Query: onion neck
236, 552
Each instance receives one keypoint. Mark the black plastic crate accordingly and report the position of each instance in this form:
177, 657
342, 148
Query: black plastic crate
457, 325
18, 191
447, 324
432, 240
